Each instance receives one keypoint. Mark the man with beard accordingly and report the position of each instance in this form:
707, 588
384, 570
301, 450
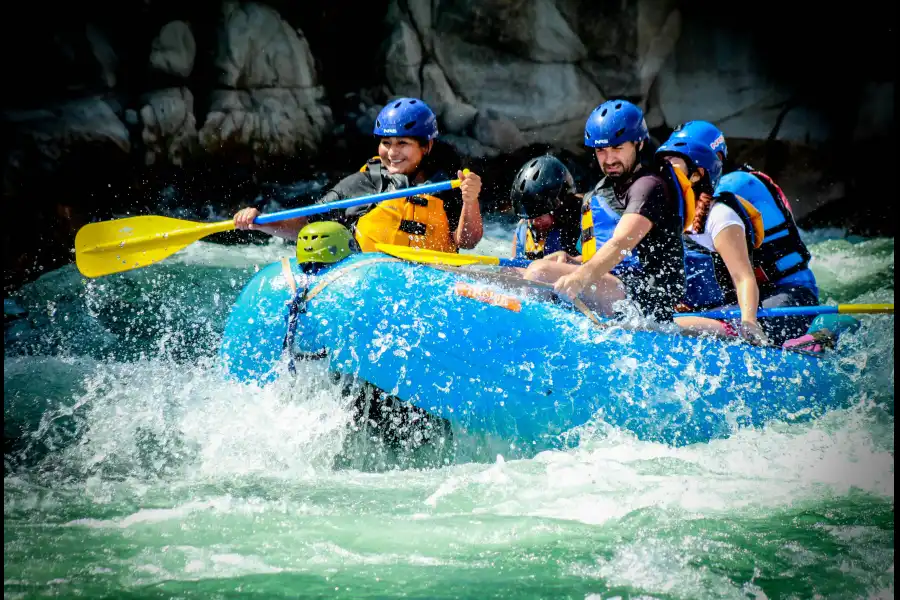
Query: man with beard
632, 223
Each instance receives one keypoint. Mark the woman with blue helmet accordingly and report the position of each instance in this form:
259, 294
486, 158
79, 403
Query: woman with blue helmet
705, 133
408, 155
781, 263
724, 229
779, 257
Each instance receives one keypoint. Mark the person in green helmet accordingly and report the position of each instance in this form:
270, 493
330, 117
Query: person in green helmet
323, 243
406, 434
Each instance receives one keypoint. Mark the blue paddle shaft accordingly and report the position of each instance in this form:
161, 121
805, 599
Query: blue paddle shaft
514, 262
315, 209
784, 311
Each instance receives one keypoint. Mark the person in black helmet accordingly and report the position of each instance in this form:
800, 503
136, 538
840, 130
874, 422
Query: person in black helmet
543, 194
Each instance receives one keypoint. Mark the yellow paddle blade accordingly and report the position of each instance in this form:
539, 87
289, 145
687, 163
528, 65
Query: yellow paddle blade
865, 308
433, 257
124, 244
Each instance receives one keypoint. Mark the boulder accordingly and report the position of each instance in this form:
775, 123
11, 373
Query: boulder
496, 131
169, 129
269, 102
403, 61
532, 95
173, 51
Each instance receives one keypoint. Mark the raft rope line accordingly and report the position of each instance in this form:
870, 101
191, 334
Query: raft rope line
289, 276
339, 272
297, 304
299, 300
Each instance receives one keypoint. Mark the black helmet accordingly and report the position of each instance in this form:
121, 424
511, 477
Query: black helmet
540, 185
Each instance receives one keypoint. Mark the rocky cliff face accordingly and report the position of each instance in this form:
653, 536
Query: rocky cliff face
159, 106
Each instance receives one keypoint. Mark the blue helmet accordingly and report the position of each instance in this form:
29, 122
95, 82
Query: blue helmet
406, 117
705, 133
696, 153
615, 122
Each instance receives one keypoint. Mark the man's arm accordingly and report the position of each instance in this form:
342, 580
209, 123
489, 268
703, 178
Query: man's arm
628, 233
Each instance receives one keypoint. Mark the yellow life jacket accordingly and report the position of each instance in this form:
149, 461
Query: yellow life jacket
534, 248
416, 222
588, 241
599, 219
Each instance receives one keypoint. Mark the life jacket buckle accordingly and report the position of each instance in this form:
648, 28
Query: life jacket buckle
412, 227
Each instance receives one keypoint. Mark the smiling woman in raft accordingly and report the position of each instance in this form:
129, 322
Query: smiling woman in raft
408, 155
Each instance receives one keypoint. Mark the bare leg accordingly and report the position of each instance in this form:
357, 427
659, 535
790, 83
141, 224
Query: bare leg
698, 325
778, 330
548, 271
515, 271
600, 295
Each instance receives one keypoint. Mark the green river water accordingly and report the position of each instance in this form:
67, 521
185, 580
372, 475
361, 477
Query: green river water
133, 471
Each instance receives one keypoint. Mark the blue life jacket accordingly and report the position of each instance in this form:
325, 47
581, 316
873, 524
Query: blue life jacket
783, 258
599, 219
701, 288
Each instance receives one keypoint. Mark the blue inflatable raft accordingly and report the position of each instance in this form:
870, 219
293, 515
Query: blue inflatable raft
497, 356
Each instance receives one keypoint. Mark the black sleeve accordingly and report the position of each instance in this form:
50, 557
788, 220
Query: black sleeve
453, 205
352, 186
440, 165
649, 198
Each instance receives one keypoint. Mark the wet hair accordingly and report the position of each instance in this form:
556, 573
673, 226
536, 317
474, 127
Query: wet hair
704, 202
443, 158
703, 194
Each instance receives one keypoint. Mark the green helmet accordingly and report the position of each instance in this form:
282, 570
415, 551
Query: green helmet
324, 242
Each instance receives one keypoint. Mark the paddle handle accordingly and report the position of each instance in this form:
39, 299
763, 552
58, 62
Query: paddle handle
793, 311
514, 262
315, 209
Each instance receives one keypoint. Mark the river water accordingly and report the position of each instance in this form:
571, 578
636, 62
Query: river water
132, 470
